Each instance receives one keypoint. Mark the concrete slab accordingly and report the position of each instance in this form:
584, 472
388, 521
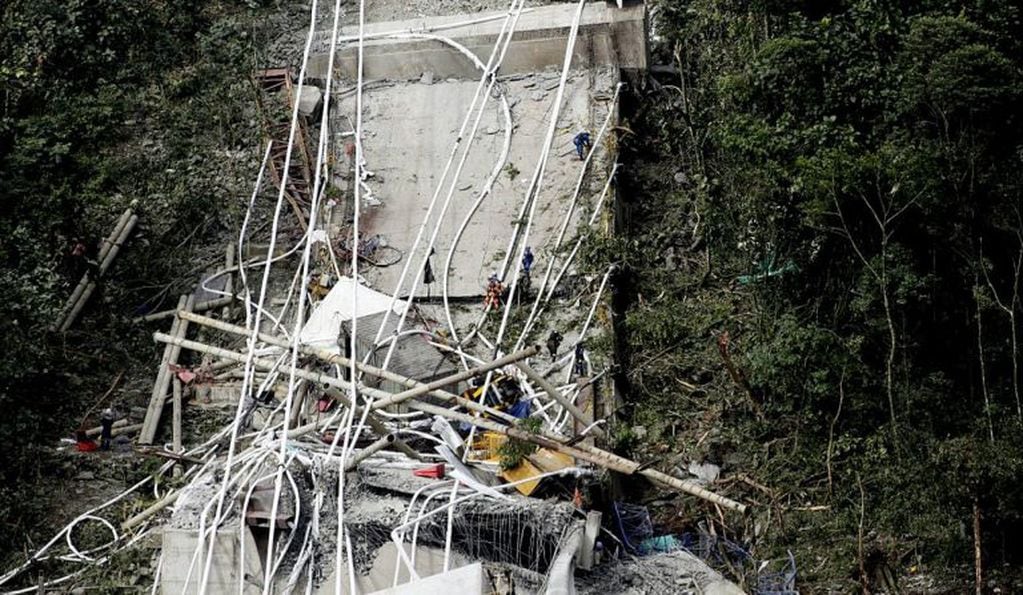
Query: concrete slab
218, 395
468, 579
608, 36
179, 546
429, 562
308, 97
409, 131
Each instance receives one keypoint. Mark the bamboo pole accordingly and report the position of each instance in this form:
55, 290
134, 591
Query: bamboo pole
103, 267
333, 358
164, 377
156, 398
602, 459
338, 384
553, 392
591, 454
155, 508
226, 354
120, 426
374, 423
104, 249
362, 455
455, 378
200, 307
176, 422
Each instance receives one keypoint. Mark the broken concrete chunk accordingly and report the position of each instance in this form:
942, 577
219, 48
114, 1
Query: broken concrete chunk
551, 84
538, 95
705, 471
308, 97
427, 78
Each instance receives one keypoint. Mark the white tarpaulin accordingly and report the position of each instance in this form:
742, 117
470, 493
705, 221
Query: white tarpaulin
324, 325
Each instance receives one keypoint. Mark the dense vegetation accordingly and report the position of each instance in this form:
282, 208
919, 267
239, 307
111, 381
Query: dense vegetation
826, 197
105, 102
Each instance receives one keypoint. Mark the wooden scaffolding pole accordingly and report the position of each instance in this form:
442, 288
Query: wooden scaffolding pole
591, 454
553, 392
104, 249
164, 376
104, 266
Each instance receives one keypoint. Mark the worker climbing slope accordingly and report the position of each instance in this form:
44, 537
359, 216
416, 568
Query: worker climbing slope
553, 343
582, 144
492, 298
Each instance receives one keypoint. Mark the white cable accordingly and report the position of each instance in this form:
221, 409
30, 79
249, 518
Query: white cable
531, 197
579, 242
487, 73
246, 383
300, 316
533, 314
589, 318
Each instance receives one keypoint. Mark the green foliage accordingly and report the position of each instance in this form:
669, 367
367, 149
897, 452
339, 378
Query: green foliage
104, 102
514, 450
876, 146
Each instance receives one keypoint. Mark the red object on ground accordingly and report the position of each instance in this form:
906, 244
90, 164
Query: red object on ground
324, 404
433, 471
187, 376
87, 445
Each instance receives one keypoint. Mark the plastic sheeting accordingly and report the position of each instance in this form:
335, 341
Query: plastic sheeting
324, 325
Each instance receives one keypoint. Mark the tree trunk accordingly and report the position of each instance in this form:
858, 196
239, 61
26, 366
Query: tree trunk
983, 367
978, 568
890, 362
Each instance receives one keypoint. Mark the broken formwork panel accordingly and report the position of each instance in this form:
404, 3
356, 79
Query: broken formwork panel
323, 328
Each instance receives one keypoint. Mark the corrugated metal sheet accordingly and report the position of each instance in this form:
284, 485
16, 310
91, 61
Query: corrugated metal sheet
413, 357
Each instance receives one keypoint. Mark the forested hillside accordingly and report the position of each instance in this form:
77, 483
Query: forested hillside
827, 198
105, 103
